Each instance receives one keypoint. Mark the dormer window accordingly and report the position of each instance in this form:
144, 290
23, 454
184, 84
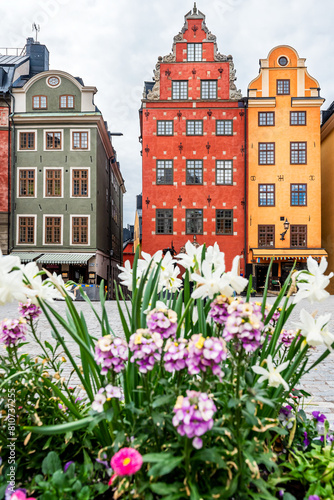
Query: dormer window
39, 102
194, 52
66, 101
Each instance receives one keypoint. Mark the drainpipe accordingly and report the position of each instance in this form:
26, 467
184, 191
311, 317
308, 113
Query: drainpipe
245, 187
13, 177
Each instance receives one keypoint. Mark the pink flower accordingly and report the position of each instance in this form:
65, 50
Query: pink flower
126, 462
20, 495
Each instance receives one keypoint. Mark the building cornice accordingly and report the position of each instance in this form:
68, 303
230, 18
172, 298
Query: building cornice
307, 102
261, 102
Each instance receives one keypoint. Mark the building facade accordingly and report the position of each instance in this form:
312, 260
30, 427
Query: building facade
67, 186
284, 169
16, 67
193, 138
327, 186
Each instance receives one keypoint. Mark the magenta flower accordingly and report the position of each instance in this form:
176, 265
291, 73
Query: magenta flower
12, 331
126, 462
66, 466
244, 325
21, 494
146, 349
111, 353
219, 309
163, 321
176, 355
193, 416
205, 353
287, 337
29, 310
314, 497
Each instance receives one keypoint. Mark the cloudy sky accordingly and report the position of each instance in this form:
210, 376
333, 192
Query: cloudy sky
114, 45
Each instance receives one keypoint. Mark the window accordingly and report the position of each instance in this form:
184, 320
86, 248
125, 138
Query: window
194, 221
224, 221
66, 101
224, 127
297, 117
194, 127
298, 153
79, 230
194, 51
283, 61
266, 119
27, 140
266, 236
165, 127
179, 90
266, 195
27, 183
80, 183
53, 140
39, 102
266, 153
164, 221
194, 174
53, 183
298, 195
283, 87
224, 172
53, 81
80, 140
298, 235
26, 230
164, 171
53, 230
209, 89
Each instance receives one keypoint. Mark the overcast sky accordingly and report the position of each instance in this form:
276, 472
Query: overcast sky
114, 45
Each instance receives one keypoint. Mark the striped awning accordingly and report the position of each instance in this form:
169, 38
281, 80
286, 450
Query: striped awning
65, 258
26, 256
288, 253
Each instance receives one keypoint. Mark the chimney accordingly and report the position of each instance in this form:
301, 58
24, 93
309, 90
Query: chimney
39, 57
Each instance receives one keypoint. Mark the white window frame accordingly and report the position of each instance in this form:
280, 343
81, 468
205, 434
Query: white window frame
18, 229
71, 224
23, 130
61, 232
53, 130
71, 183
72, 130
18, 183
44, 183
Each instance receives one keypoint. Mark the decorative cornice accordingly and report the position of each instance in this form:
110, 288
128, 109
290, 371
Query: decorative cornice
154, 94
235, 94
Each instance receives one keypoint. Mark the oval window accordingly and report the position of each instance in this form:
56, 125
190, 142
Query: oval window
283, 61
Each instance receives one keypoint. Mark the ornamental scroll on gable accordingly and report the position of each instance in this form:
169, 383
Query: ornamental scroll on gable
154, 94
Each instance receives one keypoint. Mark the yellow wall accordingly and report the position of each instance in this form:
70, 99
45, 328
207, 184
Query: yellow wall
282, 134
136, 236
327, 166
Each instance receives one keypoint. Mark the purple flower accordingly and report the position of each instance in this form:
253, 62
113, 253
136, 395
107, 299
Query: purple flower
286, 410
176, 355
146, 349
12, 331
193, 416
66, 466
306, 441
29, 311
319, 417
111, 353
219, 309
205, 353
287, 337
244, 325
314, 497
329, 438
163, 321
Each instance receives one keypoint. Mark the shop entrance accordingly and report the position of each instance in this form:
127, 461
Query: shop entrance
286, 268
78, 274
261, 274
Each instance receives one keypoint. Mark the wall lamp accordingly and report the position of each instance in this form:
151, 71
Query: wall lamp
286, 226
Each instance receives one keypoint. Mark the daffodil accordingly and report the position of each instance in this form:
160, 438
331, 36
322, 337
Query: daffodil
312, 282
314, 330
272, 374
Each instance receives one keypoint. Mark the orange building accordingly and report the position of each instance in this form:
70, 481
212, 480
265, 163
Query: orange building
284, 166
327, 170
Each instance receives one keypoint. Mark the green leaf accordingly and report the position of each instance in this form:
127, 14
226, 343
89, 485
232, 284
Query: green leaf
210, 455
162, 400
165, 467
59, 479
288, 496
66, 427
165, 489
51, 463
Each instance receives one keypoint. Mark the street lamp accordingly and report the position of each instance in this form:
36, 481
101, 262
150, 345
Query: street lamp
286, 226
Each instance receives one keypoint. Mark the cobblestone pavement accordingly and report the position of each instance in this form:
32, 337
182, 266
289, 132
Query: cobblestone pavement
319, 383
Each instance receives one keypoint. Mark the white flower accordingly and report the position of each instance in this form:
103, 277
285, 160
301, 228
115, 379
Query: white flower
99, 401
216, 257
59, 284
192, 258
11, 284
315, 330
169, 279
113, 392
126, 275
312, 283
272, 374
238, 283
104, 343
158, 305
7, 262
208, 283
35, 283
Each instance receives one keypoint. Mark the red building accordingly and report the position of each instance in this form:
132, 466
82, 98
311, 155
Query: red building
193, 139
4, 175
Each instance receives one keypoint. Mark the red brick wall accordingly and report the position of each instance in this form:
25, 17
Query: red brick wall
3, 160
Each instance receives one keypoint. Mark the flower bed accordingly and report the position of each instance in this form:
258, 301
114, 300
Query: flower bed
198, 400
